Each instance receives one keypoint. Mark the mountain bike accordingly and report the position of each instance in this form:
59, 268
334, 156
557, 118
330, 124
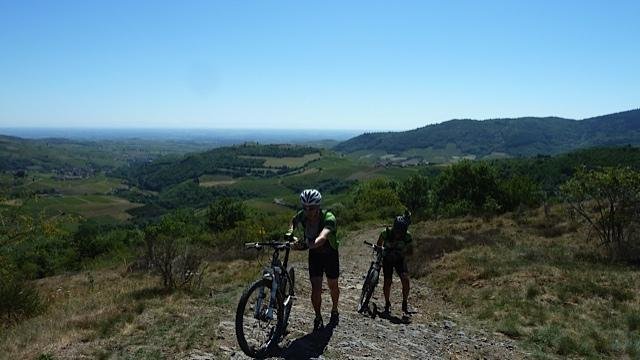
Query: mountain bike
264, 307
371, 279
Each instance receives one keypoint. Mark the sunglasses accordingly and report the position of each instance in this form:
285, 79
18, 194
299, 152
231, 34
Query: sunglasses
310, 208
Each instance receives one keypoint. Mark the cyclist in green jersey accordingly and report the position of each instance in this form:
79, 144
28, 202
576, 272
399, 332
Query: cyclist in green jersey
397, 243
319, 227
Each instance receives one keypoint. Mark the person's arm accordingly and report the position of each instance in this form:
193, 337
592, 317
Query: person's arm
292, 226
299, 244
321, 239
380, 240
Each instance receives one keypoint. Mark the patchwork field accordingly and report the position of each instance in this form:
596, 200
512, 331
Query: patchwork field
216, 180
85, 205
292, 162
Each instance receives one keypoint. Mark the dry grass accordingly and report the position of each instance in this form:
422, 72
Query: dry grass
109, 313
533, 277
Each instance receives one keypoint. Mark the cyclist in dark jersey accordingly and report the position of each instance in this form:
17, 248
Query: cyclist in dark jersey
319, 227
397, 243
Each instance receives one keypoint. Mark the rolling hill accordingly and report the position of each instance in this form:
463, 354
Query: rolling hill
525, 136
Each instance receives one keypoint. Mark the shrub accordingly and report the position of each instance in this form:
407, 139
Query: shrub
225, 213
520, 190
609, 201
18, 300
469, 181
415, 193
170, 250
378, 196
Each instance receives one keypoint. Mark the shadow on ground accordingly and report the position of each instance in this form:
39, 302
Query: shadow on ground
311, 345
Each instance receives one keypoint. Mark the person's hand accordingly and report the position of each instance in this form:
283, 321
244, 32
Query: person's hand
299, 245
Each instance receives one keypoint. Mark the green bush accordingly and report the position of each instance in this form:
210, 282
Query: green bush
225, 213
415, 193
378, 197
172, 252
609, 201
468, 181
520, 190
18, 300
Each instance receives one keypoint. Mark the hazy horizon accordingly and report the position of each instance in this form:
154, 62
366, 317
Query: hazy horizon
217, 135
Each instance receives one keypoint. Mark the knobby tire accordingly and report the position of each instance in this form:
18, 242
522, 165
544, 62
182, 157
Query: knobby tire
274, 329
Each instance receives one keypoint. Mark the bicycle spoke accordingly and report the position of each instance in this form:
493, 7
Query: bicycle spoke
257, 328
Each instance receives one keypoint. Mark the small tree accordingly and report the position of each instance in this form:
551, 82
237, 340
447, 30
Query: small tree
18, 299
170, 251
467, 186
609, 201
415, 193
225, 213
379, 197
520, 191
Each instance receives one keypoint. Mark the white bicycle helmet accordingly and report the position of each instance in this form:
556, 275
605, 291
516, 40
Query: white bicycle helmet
310, 197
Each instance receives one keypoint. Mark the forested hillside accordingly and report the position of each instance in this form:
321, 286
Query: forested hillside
243, 160
18, 154
528, 136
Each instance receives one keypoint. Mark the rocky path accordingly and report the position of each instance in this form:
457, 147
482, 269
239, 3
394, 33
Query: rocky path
433, 333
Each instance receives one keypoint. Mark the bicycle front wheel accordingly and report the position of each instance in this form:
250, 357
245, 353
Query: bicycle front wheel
368, 287
287, 294
258, 331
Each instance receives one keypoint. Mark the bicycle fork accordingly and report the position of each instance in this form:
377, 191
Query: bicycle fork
267, 276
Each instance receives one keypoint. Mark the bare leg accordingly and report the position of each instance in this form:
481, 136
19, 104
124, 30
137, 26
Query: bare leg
405, 287
335, 293
386, 289
316, 294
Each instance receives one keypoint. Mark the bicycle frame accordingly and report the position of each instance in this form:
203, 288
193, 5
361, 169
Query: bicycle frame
371, 277
273, 274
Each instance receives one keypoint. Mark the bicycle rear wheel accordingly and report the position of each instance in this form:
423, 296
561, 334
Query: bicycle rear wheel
257, 333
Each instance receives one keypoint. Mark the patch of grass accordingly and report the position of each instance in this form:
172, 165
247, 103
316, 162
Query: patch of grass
107, 326
128, 316
633, 321
633, 346
510, 327
553, 294
546, 335
45, 356
532, 291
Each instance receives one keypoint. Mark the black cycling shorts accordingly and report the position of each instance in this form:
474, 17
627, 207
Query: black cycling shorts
394, 261
324, 261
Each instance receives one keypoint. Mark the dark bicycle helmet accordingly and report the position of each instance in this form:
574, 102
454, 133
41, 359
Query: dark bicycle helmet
402, 222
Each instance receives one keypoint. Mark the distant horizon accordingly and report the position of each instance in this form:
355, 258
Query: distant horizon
185, 134
276, 129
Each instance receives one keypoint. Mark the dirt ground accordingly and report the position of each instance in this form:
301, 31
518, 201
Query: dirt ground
434, 332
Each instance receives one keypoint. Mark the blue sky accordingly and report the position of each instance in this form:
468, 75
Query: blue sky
366, 65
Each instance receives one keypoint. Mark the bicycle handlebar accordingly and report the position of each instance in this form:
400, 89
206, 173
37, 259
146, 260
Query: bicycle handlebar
273, 244
376, 247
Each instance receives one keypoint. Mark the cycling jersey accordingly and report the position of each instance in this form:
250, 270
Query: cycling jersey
395, 245
327, 220
394, 252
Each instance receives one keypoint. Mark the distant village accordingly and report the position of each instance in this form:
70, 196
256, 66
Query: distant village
74, 173
393, 160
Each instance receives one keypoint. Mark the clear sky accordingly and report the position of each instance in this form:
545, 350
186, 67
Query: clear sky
367, 65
